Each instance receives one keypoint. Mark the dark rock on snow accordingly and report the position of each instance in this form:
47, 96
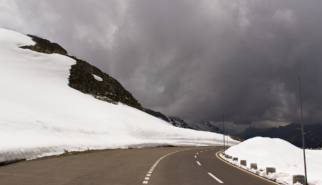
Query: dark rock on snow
179, 122
159, 115
81, 76
204, 125
45, 46
110, 90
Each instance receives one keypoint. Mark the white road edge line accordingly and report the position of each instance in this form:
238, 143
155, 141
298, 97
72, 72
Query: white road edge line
217, 154
215, 177
199, 163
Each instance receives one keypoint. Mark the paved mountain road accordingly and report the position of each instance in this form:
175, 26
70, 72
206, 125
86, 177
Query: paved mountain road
153, 166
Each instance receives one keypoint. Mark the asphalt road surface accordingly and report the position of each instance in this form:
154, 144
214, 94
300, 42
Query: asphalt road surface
153, 166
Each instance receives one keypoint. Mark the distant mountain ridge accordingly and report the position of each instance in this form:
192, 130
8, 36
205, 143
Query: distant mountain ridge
291, 133
159, 115
204, 125
177, 122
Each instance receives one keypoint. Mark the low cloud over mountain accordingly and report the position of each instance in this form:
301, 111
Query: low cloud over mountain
194, 59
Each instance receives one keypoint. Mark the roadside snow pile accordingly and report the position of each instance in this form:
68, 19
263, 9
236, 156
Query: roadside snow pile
285, 157
41, 115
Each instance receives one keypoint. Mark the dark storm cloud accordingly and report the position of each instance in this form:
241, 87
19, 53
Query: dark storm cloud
194, 59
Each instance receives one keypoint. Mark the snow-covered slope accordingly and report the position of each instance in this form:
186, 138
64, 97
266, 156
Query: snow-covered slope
41, 115
285, 157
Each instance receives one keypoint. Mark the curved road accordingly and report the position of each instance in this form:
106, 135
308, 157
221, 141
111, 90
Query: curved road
153, 166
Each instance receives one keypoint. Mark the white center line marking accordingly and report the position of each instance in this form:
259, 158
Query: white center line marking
199, 163
215, 177
148, 175
195, 156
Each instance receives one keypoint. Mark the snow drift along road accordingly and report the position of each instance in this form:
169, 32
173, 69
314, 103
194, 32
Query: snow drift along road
41, 115
285, 157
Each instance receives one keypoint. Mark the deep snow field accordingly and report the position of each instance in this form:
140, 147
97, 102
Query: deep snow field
41, 115
285, 157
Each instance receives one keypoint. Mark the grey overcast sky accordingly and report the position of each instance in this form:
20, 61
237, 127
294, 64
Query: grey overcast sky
195, 59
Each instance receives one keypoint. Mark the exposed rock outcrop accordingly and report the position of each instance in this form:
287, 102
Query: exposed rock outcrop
237, 138
45, 46
110, 90
102, 86
178, 122
158, 115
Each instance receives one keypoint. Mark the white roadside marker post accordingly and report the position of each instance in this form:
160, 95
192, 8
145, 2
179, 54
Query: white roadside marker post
253, 166
270, 170
299, 178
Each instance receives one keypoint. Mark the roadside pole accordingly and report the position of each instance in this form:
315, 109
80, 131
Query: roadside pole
227, 138
223, 130
303, 141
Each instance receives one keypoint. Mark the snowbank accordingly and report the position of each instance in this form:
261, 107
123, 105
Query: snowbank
41, 115
285, 157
